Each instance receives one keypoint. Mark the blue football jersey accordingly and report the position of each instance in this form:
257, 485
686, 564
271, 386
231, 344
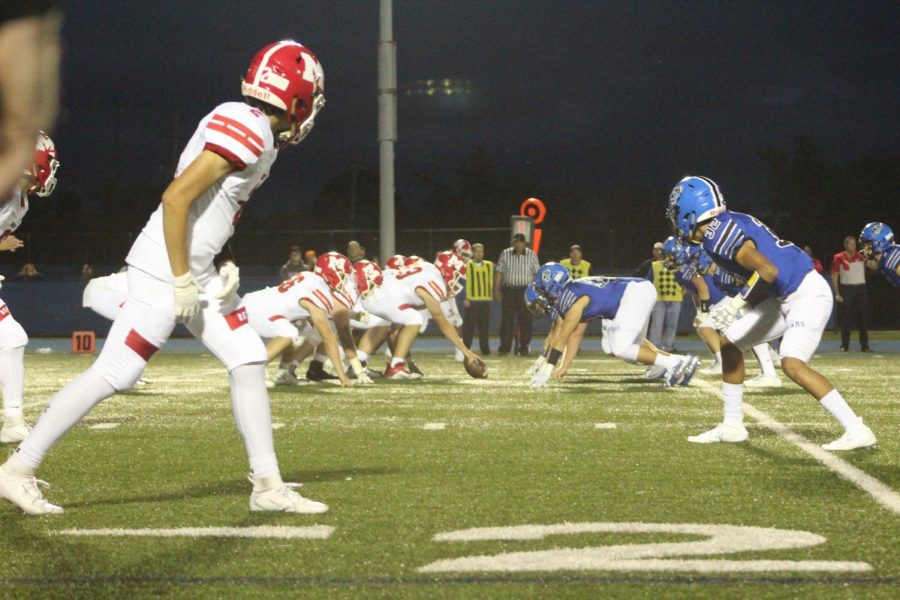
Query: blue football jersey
726, 234
604, 293
728, 283
685, 276
890, 258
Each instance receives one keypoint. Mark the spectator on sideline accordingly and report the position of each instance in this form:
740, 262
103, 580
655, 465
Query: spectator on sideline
87, 271
664, 319
641, 271
848, 280
354, 251
294, 264
817, 264
29, 272
477, 305
577, 266
515, 270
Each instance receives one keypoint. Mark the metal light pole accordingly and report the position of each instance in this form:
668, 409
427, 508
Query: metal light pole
387, 125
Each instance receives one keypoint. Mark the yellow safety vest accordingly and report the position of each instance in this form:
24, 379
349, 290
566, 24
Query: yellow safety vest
582, 269
667, 287
480, 280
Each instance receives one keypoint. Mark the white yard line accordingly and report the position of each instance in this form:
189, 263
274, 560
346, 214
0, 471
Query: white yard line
604, 425
313, 532
880, 492
104, 426
434, 426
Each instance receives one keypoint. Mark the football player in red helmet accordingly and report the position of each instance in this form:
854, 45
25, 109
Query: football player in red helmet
463, 248
38, 179
171, 262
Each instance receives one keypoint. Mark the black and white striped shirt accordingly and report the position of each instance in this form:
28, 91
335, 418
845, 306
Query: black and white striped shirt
518, 269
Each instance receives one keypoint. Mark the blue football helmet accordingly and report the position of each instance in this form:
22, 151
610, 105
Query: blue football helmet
550, 279
693, 201
875, 239
702, 259
674, 253
535, 300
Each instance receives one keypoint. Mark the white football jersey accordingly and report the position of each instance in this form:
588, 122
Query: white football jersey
12, 213
399, 289
241, 134
283, 301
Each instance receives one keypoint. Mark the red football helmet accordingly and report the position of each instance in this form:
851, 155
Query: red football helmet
412, 260
463, 248
368, 276
334, 268
43, 167
395, 263
288, 76
452, 267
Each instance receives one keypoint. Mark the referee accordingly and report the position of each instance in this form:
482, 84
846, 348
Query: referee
479, 288
515, 270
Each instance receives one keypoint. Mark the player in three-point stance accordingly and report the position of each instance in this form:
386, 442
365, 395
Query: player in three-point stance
627, 301
876, 243
170, 264
39, 179
784, 297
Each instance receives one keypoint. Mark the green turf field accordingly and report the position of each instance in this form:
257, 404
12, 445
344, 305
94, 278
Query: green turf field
592, 482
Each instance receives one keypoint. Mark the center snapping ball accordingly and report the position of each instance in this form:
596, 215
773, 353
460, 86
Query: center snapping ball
475, 368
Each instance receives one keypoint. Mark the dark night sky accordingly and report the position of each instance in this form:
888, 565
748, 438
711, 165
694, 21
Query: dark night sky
589, 94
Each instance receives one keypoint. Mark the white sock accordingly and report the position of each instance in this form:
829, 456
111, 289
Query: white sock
667, 361
64, 410
288, 366
362, 356
761, 352
834, 403
12, 378
718, 358
250, 405
732, 399
396, 361
320, 357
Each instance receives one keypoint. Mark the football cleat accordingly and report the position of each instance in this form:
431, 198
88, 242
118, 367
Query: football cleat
713, 369
399, 371
24, 493
856, 436
285, 499
655, 372
690, 367
459, 356
721, 433
14, 430
284, 377
316, 372
764, 381
674, 375
413, 367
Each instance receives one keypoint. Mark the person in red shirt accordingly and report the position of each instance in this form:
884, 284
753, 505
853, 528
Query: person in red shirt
848, 279
817, 264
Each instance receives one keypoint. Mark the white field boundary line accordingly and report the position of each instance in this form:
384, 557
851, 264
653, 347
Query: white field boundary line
880, 492
313, 532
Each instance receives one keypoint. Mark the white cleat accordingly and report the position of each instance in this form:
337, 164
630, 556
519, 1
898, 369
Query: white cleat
674, 375
712, 370
284, 377
24, 493
655, 372
721, 433
285, 499
689, 369
459, 356
14, 430
857, 436
764, 381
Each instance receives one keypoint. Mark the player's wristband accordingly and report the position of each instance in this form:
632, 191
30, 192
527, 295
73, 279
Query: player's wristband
554, 356
704, 306
756, 291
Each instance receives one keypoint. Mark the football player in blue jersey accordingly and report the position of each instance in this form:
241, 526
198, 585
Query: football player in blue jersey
876, 244
628, 301
723, 286
784, 297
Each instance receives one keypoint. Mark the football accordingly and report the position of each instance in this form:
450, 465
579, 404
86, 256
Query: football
475, 368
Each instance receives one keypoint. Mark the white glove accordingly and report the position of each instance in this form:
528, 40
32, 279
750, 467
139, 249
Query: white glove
232, 276
187, 297
360, 371
542, 375
536, 365
723, 314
